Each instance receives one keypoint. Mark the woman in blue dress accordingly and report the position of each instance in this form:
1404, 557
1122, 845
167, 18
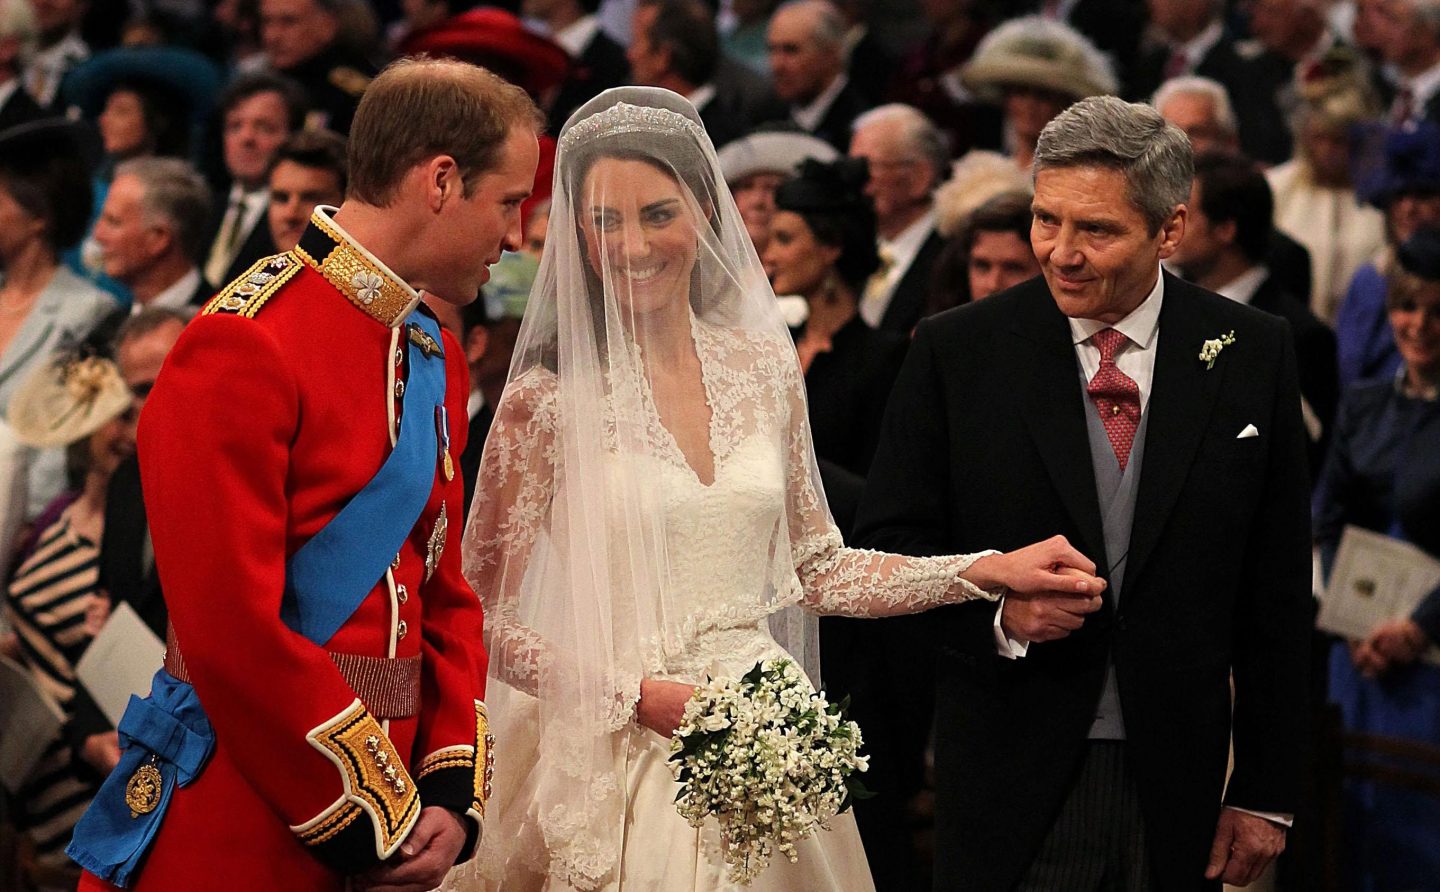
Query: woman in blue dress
1383, 474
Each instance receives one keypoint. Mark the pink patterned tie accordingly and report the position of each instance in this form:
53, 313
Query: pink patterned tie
1116, 395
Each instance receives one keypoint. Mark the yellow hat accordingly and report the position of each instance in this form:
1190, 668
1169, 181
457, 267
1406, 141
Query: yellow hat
67, 399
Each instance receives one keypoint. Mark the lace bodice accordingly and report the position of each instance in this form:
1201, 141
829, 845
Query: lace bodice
733, 552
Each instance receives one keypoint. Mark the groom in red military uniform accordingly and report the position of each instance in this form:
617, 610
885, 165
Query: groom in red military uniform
320, 717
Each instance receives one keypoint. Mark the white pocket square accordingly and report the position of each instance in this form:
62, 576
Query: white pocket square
1249, 431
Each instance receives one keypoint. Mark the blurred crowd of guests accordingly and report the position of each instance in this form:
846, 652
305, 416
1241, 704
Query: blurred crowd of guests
152, 150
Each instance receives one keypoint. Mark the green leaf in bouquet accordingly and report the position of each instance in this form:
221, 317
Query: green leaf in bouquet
755, 675
854, 789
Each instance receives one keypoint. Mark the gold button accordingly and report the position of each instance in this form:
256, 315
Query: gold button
1115, 410
399, 389
402, 594
399, 356
401, 629
395, 564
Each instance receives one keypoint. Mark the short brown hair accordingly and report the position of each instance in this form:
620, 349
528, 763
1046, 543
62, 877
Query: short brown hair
320, 149
418, 108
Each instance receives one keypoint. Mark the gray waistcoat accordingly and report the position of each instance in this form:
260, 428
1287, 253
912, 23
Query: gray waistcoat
1117, 511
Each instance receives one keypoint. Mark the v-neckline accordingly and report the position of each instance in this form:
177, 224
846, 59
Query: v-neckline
668, 437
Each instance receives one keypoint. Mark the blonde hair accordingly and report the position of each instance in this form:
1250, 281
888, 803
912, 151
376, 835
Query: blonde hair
418, 108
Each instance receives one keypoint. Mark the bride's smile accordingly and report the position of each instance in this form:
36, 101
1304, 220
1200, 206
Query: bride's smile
639, 233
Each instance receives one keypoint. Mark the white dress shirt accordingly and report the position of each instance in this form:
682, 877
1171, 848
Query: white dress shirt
702, 96
1423, 88
46, 67
243, 211
1198, 46
175, 297
900, 251
577, 36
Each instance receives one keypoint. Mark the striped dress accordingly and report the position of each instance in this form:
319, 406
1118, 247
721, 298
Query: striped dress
46, 603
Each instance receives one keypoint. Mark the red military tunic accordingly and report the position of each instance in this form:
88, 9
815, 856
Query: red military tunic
278, 405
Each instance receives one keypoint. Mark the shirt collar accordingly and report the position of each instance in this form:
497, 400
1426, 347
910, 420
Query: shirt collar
356, 273
702, 96
177, 296
809, 116
7, 90
577, 35
1140, 326
907, 244
1196, 47
1242, 288
1425, 84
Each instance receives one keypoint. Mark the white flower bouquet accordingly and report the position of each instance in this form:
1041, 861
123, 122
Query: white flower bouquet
771, 759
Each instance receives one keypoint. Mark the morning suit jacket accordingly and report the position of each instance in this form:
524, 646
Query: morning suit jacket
1315, 357
907, 301
985, 446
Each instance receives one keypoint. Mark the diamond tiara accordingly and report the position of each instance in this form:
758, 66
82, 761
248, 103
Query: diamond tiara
623, 117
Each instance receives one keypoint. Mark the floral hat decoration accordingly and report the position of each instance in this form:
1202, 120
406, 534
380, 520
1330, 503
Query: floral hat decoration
67, 399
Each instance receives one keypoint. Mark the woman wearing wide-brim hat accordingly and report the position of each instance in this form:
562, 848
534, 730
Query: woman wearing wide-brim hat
53, 602
1035, 68
147, 100
755, 165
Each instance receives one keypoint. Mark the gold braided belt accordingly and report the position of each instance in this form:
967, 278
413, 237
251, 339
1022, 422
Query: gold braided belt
389, 687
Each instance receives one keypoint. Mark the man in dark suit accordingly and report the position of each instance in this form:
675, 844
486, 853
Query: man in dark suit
1193, 41
1413, 51
597, 62
1227, 239
258, 112
907, 157
674, 45
1095, 756
806, 44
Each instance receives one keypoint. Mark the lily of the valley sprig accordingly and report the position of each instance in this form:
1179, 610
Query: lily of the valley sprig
1211, 349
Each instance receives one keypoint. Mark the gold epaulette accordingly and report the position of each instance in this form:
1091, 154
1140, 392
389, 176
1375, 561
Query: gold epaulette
352, 81
247, 294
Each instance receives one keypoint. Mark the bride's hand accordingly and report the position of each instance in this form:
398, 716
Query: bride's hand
1047, 568
662, 705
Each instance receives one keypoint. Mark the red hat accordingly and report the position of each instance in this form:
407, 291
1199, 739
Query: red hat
498, 40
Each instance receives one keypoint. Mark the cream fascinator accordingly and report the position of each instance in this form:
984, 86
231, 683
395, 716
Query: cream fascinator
67, 399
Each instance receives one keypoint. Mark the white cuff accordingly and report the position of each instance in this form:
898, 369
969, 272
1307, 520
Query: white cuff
1006, 646
1273, 817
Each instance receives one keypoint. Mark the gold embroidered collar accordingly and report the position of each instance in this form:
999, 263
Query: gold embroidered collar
355, 272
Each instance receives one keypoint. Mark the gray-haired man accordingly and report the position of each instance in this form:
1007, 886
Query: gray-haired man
1157, 426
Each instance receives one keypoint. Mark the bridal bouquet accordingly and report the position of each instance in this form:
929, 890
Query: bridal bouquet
772, 760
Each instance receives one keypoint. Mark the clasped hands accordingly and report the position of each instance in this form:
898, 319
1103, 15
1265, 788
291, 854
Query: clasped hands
1052, 588
425, 857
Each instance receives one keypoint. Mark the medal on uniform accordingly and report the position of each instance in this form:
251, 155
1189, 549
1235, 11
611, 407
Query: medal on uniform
442, 432
142, 793
436, 546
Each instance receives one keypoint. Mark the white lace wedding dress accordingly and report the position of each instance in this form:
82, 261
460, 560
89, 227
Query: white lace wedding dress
759, 526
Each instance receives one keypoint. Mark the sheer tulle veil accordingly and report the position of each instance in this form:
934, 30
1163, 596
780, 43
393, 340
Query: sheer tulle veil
646, 267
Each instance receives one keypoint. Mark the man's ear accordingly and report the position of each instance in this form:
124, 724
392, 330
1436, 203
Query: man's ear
1172, 231
442, 182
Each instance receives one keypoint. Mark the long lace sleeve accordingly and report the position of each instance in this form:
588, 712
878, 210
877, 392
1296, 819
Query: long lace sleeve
512, 503
854, 582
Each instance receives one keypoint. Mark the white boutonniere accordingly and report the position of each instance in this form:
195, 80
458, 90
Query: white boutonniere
1211, 348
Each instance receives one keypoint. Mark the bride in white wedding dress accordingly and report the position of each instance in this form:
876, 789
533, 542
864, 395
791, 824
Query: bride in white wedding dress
649, 513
